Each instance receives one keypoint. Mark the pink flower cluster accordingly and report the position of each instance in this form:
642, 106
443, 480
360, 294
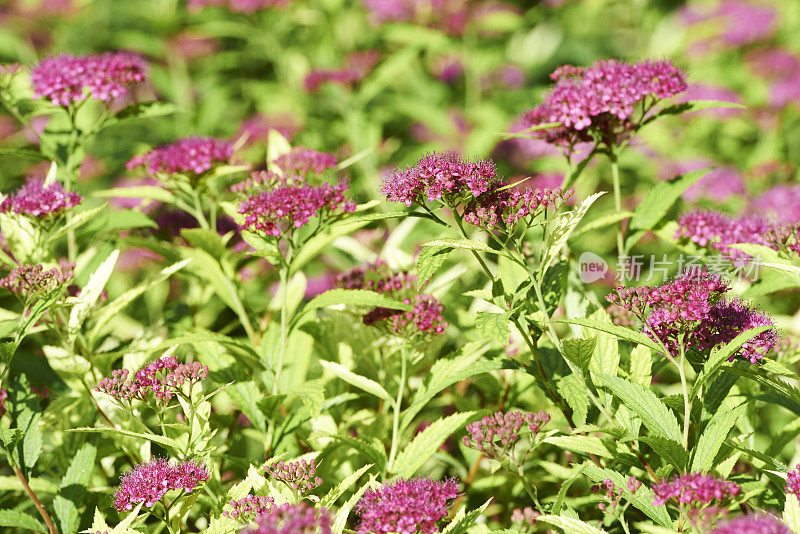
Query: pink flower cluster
780, 204
148, 482
608, 491
752, 524
38, 200
496, 435
302, 160
376, 276
695, 489
163, 378
602, 98
260, 180
238, 6
426, 316
300, 476
66, 79
718, 231
29, 280
505, 208
738, 22
525, 515
406, 506
692, 305
292, 519
249, 507
285, 208
194, 155
447, 176
451, 16
781, 68
793, 481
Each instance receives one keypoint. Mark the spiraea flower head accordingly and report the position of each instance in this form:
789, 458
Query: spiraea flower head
793, 481
192, 156
301, 476
752, 524
281, 210
503, 208
610, 493
35, 199
249, 508
497, 435
717, 231
425, 316
148, 482
301, 160
602, 99
449, 176
159, 380
66, 79
695, 490
407, 506
288, 518
27, 281
376, 276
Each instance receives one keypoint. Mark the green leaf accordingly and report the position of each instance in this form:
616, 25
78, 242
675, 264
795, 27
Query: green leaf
641, 365
341, 516
18, 519
73, 487
791, 512
355, 297
713, 437
697, 105
465, 244
582, 444
22, 153
579, 351
146, 110
574, 392
312, 395
429, 261
494, 326
161, 440
426, 443
643, 402
361, 382
577, 472
145, 192
375, 455
25, 412
569, 525
618, 331
554, 285
563, 226
74, 222
642, 499
601, 222
668, 449
91, 292
463, 520
338, 490
660, 199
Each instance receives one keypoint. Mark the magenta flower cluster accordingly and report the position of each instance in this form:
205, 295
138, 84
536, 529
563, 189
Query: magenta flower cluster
38, 200
30, 280
602, 98
692, 305
302, 160
162, 378
446, 176
301, 476
148, 482
260, 180
608, 491
426, 316
406, 506
525, 515
193, 155
376, 276
752, 524
299, 518
280, 210
66, 79
249, 507
506, 207
496, 435
780, 204
718, 231
793, 481
695, 490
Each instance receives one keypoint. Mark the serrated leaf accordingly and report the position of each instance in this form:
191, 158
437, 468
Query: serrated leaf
668, 449
657, 202
91, 292
564, 224
569, 525
75, 221
355, 297
642, 499
582, 444
463, 520
641, 365
618, 331
145, 192
73, 486
146, 110
338, 490
430, 259
18, 519
344, 511
361, 382
494, 326
574, 392
426, 443
312, 395
375, 455
161, 440
712, 438
643, 402
579, 351
791, 513
465, 244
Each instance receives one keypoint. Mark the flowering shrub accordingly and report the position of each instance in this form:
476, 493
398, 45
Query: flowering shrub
399, 267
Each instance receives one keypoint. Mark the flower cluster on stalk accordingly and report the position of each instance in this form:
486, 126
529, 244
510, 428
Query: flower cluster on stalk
192, 155
690, 309
159, 380
718, 231
426, 313
28, 281
148, 482
301, 476
504, 207
694, 492
249, 508
600, 103
497, 435
35, 199
288, 518
413, 505
67, 79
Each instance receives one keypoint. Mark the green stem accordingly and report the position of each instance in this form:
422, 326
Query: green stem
397, 405
687, 403
284, 273
617, 201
